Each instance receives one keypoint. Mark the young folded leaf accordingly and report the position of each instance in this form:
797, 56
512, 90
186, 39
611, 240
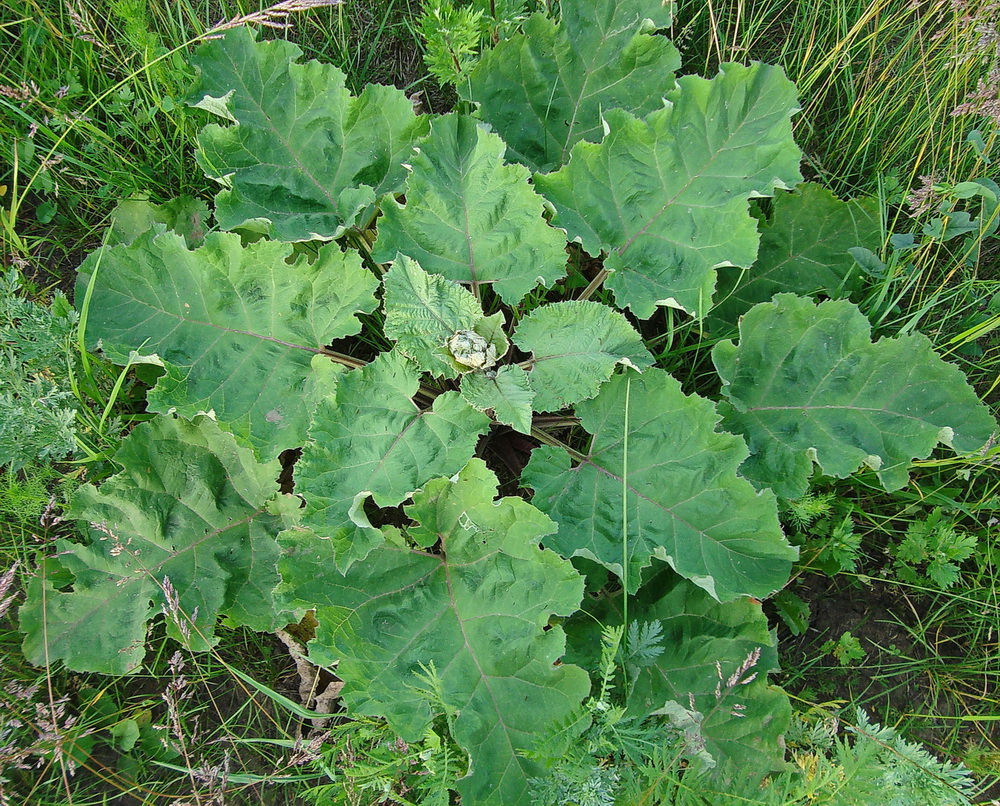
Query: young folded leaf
439, 324
506, 391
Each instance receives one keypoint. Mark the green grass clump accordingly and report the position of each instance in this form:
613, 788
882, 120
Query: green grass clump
880, 80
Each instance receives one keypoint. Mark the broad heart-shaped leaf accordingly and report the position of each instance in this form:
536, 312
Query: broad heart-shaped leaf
803, 250
575, 346
188, 514
303, 156
236, 326
370, 438
683, 502
806, 384
473, 615
666, 196
546, 89
470, 217
424, 312
742, 719
507, 392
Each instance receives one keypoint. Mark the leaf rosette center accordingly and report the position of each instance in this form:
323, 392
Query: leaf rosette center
471, 350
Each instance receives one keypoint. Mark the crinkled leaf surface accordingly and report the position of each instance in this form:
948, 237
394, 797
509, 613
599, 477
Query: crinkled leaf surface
743, 719
475, 612
575, 346
666, 196
546, 89
470, 217
190, 506
684, 502
370, 437
806, 384
423, 311
236, 326
303, 156
803, 250
507, 393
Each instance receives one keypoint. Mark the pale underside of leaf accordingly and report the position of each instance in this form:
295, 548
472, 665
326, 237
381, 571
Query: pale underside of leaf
806, 384
473, 614
470, 217
684, 502
575, 346
187, 216
188, 511
369, 436
236, 327
803, 250
665, 197
302, 157
546, 89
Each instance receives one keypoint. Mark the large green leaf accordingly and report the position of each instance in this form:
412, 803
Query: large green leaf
439, 324
660, 481
188, 514
575, 346
803, 250
546, 89
806, 384
473, 615
236, 326
709, 658
666, 196
303, 156
370, 439
470, 217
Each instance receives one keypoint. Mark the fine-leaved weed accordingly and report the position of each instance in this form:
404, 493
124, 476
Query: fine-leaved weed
37, 405
932, 552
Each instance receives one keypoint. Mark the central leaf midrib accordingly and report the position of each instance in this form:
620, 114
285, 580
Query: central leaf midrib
415, 418
213, 326
273, 129
840, 407
475, 658
658, 505
124, 585
672, 201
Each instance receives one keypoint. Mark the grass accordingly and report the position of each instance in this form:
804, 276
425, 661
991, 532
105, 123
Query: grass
91, 111
878, 79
